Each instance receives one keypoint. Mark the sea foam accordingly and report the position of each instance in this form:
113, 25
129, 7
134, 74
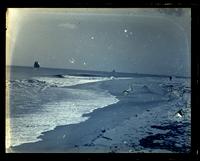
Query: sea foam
70, 80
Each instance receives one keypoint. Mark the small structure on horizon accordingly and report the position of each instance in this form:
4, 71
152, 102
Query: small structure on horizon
113, 72
36, 64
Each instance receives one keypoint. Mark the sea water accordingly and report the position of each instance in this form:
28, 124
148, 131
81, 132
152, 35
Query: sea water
40, 100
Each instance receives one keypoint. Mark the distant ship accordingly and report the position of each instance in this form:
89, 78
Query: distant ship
36, 64
113, 74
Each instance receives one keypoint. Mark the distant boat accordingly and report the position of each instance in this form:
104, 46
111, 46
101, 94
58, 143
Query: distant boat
36, 64
113, 73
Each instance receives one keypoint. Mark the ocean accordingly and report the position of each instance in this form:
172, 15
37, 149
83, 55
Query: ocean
41, 99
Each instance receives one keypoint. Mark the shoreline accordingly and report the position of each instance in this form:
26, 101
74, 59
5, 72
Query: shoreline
115, 128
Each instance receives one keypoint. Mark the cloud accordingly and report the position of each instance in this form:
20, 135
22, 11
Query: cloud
67, 25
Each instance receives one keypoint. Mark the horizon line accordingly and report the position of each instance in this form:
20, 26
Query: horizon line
164, 75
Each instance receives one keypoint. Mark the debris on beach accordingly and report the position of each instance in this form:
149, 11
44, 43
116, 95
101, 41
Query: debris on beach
106, 138
103, 130
125, 142
129, 90
179, 113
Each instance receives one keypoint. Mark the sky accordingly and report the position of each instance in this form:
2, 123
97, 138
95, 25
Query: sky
136, 40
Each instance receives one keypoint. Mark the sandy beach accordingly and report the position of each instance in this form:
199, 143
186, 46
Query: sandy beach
142, 121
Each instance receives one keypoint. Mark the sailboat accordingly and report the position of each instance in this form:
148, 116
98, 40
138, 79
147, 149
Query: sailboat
36, 65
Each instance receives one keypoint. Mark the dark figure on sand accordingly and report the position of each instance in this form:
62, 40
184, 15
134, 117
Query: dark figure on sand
170, 78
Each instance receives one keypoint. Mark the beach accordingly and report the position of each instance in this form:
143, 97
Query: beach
142, 120
88, 80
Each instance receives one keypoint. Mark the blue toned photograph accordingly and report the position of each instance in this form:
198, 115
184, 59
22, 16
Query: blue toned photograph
98, 80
